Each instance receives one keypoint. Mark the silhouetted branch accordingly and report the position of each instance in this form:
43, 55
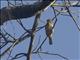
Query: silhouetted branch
18, 56
51, 54
40, 56
35, 25
55, 17
41, 44
19, 21
19, 12
73, 18
16, 42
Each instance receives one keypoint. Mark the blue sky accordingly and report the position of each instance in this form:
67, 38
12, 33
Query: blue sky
65, 38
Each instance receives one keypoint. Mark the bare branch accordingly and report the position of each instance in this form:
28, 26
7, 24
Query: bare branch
52, 54
19, 12
15, 43
73, 18
18, 56
41, 44
37, 18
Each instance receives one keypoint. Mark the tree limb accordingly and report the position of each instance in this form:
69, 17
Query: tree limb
24, 11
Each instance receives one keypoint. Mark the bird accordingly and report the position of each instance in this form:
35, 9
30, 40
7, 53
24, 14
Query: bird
49, 30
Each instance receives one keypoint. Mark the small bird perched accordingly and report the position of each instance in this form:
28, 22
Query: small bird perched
49, 30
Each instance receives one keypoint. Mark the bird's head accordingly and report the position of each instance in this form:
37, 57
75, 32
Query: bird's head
48, 20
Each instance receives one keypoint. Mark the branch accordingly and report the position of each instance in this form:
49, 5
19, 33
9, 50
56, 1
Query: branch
51, 54
25, 11
18, 56
22, 38
35, 25
41, 44
73, 18
55, 17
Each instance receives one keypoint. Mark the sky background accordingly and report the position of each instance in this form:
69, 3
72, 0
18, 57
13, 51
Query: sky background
65, 38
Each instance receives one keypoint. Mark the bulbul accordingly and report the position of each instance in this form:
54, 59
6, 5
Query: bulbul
49, 30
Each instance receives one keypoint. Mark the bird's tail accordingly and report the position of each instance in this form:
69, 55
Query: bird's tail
50, 40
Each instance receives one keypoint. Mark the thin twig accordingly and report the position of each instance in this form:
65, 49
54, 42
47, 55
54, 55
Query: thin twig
40, 56
19, 21
14, 44
41, 44
55, 17
52, 54
18, 56
73, 18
